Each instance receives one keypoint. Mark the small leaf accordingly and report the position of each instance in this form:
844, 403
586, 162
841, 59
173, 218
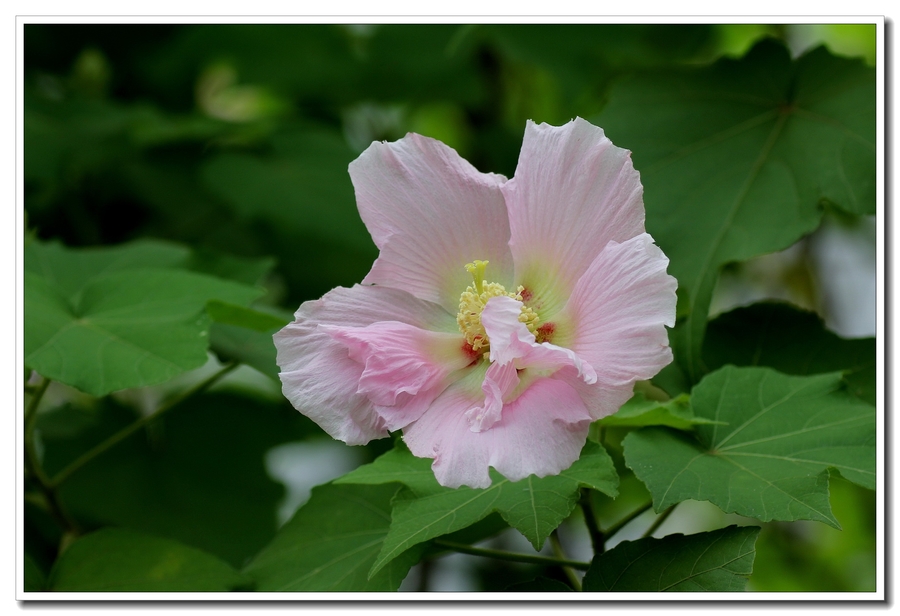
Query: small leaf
790, 340
770, 458
230, 314
121, 560
717, 561
331, 543
535, 506
639, 412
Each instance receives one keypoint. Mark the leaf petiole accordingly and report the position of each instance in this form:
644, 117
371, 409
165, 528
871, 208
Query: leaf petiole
124, 433
510, 556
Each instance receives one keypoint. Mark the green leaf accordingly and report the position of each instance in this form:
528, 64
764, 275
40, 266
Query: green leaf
245, 335
790, 340
639, 412
737, 159
331, 543
303, 187
68, 270
535, 506
770, 459
34, 577
124, 329
121, 560
717, 561
249, 271
196, 475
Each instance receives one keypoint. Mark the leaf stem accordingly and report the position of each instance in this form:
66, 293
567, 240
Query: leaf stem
612, 530
124, 433
659, 520
36, 471
556, 546
510, 556
598, 541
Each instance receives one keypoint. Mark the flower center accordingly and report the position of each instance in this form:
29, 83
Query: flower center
472, 302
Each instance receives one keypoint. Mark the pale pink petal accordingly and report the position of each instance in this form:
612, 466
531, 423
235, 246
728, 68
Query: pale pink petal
430, 213
405, 367
573, 192
541, 433
510, 340
619, 310
317, 374
499, 381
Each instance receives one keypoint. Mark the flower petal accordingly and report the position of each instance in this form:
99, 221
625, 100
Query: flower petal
513, 348
499, 381
541, 433
619, 310
573, 192
430, 212
405, 367
317, 374
510, 340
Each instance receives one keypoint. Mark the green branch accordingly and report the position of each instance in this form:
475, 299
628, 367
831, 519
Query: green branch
598, 541
612, 530
510, 556
658, 521
124, 433
556, 546
34, 468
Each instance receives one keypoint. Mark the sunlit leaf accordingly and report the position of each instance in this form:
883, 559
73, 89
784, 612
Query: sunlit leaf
770, 458
331, 543
737, 159
718, 561
125, 561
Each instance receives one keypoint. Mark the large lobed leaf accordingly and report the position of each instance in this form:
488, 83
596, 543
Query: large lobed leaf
535, 506
105, 320
720, 560
738, 158
770, 458
120, 560
331, 543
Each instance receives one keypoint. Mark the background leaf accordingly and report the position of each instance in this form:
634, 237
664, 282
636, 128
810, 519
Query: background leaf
792, 341
770, 458
738, 159
120, 560
197, 475
718, 561
331, 543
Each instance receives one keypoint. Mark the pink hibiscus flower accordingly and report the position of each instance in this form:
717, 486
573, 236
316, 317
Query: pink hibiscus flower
501, 317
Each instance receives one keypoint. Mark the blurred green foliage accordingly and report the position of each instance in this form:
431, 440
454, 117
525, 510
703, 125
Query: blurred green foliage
234, 141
